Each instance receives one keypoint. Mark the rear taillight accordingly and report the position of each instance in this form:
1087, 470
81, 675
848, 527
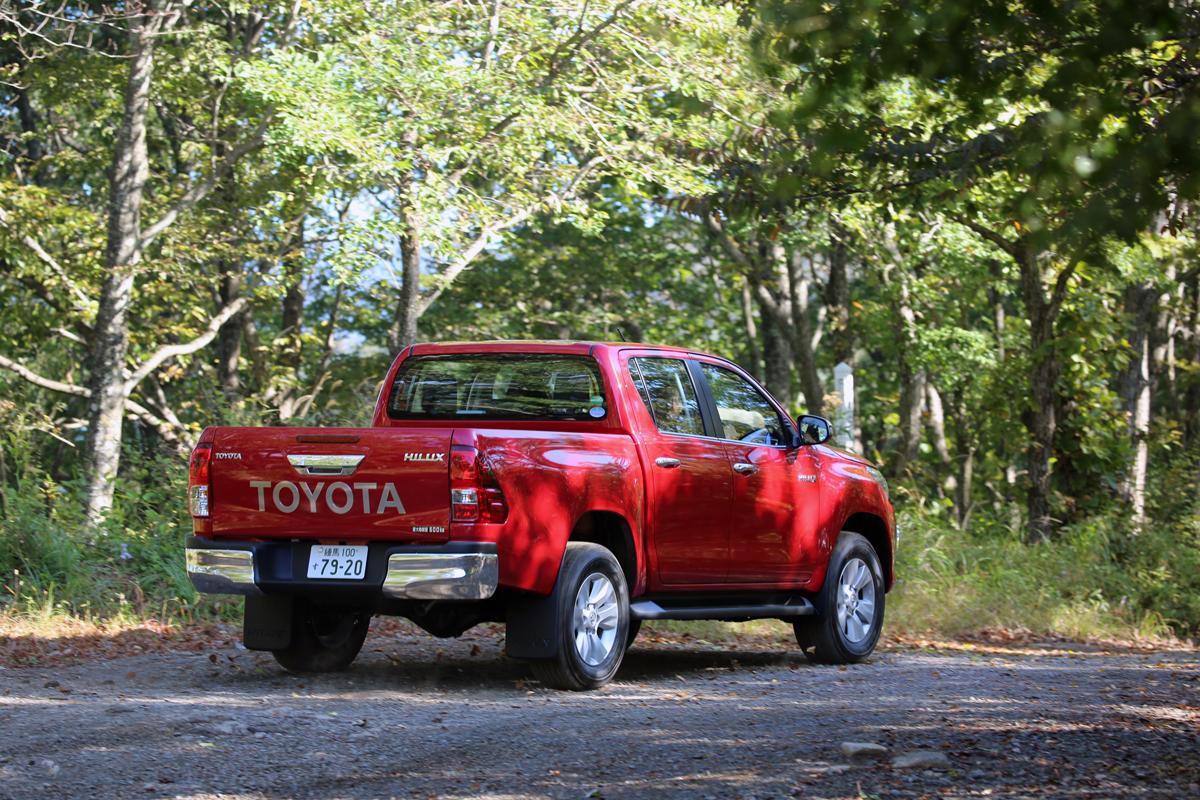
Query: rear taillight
475, 494
199, 479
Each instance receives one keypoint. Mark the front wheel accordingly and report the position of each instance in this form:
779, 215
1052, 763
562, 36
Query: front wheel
591, 620
323, 640
849, 606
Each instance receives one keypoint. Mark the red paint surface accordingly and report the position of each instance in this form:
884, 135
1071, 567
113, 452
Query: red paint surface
699, 526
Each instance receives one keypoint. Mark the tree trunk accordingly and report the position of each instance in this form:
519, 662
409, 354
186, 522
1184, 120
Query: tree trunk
1042, 418
802, 335
837, 299
130, 168
408, 307
292, 313
963, 435
937, 426
1191, 396
912, 380
751, 325
777, 351
1140, 305
1163, 372
229, 339
912, 404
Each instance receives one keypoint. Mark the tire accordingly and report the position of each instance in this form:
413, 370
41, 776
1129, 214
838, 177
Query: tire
591, 620
850, 606
635, 625
323, 640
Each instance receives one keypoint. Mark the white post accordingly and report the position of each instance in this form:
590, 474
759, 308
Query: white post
843, 379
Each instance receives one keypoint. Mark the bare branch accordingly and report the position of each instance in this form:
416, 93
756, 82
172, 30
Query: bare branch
202, 188
484, 238
170, 429
165, 429
170, 351
1060, 288
81, 299
1007, 245
567, 48
472, 252
731, 247
489, 47
45, 383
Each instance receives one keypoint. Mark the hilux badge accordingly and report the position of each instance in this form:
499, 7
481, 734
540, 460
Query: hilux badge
424, 456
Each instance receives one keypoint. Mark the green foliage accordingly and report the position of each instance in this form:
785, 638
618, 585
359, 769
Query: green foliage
1093, 580
131, 566
658, 171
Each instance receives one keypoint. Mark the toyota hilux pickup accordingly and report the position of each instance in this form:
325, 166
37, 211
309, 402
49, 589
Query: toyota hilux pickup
570, 490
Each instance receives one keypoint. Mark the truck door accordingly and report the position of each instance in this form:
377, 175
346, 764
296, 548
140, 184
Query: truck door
776, 497
688, 477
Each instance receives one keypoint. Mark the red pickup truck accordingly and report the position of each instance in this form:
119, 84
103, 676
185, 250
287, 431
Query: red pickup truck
568, 489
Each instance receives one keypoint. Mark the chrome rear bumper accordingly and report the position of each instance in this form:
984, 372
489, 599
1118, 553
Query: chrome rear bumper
438, 576
222, 571
458, 571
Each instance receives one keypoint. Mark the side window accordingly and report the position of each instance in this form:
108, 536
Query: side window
667, 390
746, 416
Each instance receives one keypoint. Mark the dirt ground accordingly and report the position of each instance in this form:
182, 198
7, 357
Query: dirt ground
419, 717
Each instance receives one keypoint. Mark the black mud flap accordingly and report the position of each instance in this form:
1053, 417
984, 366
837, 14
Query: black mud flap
268, 623
531, 626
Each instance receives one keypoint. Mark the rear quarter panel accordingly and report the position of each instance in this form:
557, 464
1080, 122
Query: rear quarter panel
550, 480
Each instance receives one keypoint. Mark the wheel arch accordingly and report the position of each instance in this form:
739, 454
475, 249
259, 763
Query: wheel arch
611, 530
874, 529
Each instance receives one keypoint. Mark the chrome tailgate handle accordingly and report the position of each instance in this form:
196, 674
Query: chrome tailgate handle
742, 468
666, 462
325, 464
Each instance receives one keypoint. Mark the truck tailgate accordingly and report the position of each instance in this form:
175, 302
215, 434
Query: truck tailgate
352, 484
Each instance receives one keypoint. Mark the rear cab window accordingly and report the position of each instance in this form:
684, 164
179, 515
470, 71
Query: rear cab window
508, 386
669, 394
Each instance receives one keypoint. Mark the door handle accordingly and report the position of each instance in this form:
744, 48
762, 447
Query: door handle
667, 463
742, 468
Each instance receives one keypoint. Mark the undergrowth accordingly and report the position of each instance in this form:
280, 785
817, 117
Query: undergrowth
1096, 579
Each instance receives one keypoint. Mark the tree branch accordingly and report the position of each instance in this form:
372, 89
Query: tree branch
558, 58
1007, 245
731, 248
170, 351
1059, 295
201, 189
470, 254
165, 429
81, 299
489, 46
45, 383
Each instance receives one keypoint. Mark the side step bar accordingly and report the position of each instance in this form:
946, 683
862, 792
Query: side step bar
793, 607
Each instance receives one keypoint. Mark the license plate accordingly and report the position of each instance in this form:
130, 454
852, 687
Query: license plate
341, 562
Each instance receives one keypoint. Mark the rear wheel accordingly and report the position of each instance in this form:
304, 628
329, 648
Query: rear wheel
591, 621
635, 625
323, 640
849, 606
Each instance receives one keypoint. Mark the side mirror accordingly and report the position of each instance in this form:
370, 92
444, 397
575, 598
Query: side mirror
814, 429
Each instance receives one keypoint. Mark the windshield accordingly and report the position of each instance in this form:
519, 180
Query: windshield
509, 386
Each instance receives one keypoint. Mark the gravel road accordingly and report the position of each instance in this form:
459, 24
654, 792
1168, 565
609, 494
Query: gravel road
418, 717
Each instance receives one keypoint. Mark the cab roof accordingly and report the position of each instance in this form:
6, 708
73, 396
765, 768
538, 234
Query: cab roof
536, 346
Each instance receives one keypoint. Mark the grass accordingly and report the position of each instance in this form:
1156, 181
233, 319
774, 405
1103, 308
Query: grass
1091, 582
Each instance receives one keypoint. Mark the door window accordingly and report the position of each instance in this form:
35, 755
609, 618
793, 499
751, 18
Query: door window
667, 390
745, 414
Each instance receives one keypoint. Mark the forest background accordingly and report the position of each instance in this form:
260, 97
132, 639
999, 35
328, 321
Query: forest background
238, 212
